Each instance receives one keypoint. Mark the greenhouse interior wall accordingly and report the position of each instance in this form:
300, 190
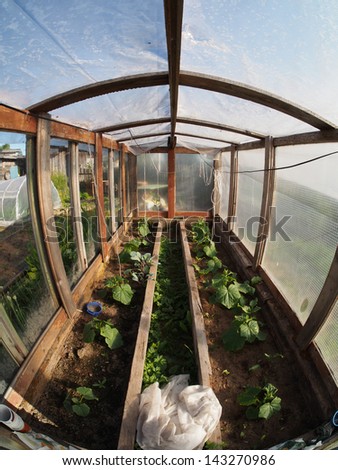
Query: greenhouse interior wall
137, 130
103, 187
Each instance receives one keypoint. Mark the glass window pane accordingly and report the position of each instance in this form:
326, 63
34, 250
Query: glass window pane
106, 196
60, 176
152, 182
224, 184
23, 291
249, 196
117, 189
88, 200
194, 182
304, 227
326, 342
8, 368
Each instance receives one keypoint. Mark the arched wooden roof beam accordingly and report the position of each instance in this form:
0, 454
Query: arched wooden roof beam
159, 134
196, 80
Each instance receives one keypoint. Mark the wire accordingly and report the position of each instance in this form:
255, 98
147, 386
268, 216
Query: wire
286, 167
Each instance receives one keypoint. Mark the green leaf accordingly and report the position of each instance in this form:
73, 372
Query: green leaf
87, 393
112, 336
249, 396
251, 412
249, 330
81, 409
255, 280
269, 409
228, 296
123, 294
88, 333
232, 340
210, 250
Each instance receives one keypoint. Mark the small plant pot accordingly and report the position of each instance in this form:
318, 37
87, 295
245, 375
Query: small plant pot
94, 308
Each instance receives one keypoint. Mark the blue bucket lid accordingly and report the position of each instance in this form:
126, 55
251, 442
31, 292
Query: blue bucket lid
94, 308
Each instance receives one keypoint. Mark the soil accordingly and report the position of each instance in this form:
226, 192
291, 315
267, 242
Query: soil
86, 364
83, 364
256, 364
14, 247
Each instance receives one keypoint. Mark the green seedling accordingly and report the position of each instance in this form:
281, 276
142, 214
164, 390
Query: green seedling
121, 289
104, 328
77, 403
261, 402
100, 383
142, 264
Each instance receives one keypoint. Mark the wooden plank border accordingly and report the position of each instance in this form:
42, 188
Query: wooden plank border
198, 328
131, 405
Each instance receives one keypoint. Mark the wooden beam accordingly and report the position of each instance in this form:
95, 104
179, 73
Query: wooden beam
267, 199
123, 186
317, 137
99, 88
17, 121
232, 206
256, 95
132, 162
111, 191
47, 216
173, 11
99, 196
322, 308
221, 127
171, 183
132, 124
76, 206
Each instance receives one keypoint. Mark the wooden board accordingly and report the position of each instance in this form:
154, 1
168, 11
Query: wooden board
200, 339
131, 405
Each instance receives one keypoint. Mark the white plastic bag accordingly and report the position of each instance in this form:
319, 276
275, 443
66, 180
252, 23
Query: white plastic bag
178, 417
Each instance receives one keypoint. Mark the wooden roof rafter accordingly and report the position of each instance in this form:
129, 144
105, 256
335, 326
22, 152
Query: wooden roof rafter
183, 134
173, 21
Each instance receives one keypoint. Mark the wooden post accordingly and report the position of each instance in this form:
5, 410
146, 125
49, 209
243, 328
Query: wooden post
322, 308
47, 216
216, 194
133, 184
111, 184
232, 207
99, 196
267, 199
171, 184
76, 206
124, 188
33, 199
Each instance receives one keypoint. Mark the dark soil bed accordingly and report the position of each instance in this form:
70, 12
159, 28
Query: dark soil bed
96, 366
256, 364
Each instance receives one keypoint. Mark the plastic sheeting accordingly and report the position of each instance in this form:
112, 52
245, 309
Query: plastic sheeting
178, 417
14, 200
286, 48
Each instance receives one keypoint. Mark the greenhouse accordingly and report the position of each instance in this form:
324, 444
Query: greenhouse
169, 261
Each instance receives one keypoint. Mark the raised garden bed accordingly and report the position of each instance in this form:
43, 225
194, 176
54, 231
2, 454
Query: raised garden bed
97, 357
255, 362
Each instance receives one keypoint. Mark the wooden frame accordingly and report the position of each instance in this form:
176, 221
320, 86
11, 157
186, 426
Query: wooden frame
47, 216
232, 206
199, 334
267, 199
131, 405
171, 183
99, 197
76, 206
111, 191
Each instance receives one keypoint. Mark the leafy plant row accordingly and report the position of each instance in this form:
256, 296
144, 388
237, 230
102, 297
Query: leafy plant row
170, 346
240, 299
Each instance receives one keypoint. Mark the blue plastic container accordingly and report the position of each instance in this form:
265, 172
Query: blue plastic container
94, 308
